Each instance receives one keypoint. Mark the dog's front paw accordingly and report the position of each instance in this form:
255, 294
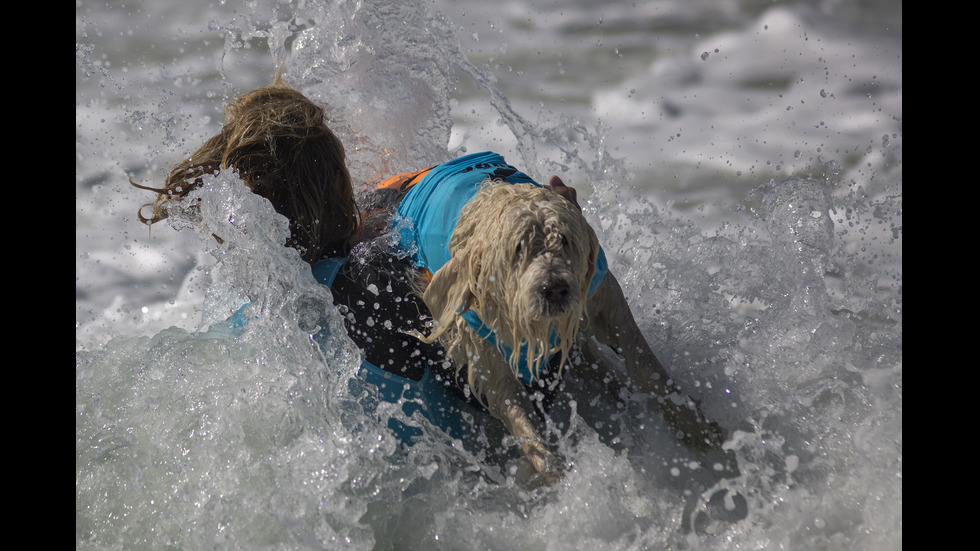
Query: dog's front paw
527, 477
539, 467
693, 428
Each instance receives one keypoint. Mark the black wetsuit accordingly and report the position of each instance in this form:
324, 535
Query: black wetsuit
374, 294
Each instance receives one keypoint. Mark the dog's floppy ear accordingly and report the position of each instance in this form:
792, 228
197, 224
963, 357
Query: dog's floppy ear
447, 295
593, 256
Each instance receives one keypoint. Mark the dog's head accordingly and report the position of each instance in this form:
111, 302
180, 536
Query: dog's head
522, 258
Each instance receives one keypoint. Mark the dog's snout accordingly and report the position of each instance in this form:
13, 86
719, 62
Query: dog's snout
555, 290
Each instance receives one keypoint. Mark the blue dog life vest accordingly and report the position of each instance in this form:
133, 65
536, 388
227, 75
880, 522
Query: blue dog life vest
433, 205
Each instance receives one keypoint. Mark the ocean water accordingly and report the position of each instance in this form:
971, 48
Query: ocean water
741, 162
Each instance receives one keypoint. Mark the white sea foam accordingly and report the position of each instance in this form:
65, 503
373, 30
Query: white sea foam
749, 200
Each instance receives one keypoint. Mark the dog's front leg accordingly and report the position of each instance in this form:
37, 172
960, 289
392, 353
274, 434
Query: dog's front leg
612, 323
508, 400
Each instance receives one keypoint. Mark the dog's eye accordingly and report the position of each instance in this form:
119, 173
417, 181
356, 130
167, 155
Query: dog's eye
564, 241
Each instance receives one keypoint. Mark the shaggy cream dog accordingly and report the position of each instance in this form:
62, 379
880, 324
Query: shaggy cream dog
522, 259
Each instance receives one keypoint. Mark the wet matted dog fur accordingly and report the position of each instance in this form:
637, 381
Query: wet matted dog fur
522, 259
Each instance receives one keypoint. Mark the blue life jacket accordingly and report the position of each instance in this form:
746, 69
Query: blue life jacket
433, 205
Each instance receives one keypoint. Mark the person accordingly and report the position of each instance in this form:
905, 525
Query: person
279, 144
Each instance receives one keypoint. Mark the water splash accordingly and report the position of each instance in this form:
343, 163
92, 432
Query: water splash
786, 323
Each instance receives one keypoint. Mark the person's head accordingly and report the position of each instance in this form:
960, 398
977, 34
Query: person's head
278, 142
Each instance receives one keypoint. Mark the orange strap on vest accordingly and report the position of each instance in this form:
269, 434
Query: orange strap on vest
402, 182
394, 187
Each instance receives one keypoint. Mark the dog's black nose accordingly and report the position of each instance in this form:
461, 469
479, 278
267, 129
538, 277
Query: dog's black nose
555, 291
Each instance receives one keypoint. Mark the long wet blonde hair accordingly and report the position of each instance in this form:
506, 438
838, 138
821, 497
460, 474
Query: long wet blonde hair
278, 142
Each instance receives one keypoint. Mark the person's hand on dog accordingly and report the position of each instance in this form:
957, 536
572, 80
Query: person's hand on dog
560, 188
